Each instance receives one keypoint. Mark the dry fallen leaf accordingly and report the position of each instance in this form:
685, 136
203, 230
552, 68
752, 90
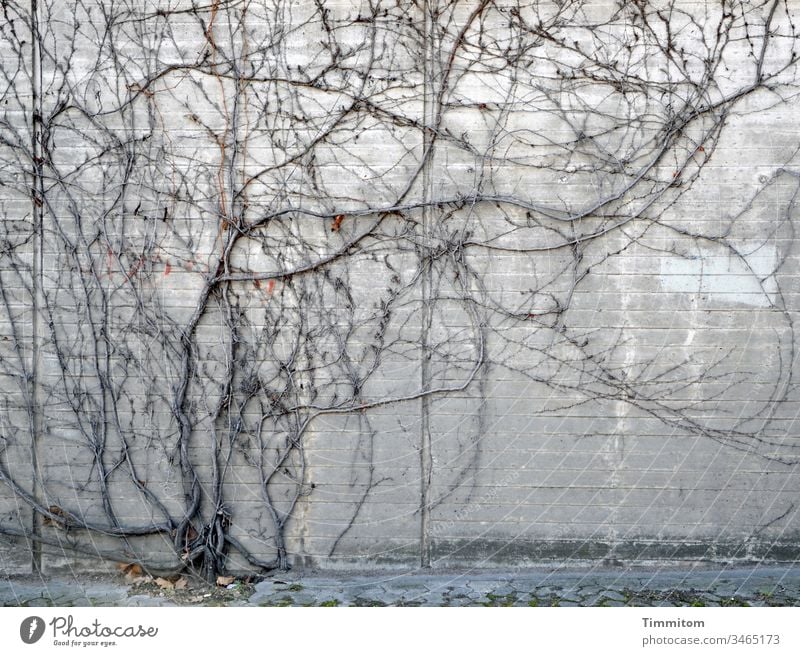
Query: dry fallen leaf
164, 583
130, 570
225, 580
181, 583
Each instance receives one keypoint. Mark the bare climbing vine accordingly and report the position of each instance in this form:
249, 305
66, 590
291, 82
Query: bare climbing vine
230, 225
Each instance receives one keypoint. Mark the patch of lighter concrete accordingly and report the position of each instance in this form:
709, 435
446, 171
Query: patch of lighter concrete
723, 276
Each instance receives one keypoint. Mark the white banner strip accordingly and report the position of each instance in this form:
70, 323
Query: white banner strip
389, 631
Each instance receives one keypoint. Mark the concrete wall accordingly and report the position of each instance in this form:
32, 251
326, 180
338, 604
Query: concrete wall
398, 284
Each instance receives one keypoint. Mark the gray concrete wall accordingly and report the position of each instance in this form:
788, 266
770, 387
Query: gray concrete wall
361, 285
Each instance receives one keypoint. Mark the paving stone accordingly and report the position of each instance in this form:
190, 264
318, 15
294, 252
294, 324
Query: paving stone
145, 600
459, 602
482, 587
39, 602
303, 599
614, 595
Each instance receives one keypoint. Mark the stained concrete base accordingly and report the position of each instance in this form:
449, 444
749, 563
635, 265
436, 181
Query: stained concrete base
757, 586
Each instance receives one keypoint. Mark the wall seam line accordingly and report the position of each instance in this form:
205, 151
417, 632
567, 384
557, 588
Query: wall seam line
37, 201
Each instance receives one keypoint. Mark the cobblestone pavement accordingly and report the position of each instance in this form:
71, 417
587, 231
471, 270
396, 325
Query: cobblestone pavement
761, 586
